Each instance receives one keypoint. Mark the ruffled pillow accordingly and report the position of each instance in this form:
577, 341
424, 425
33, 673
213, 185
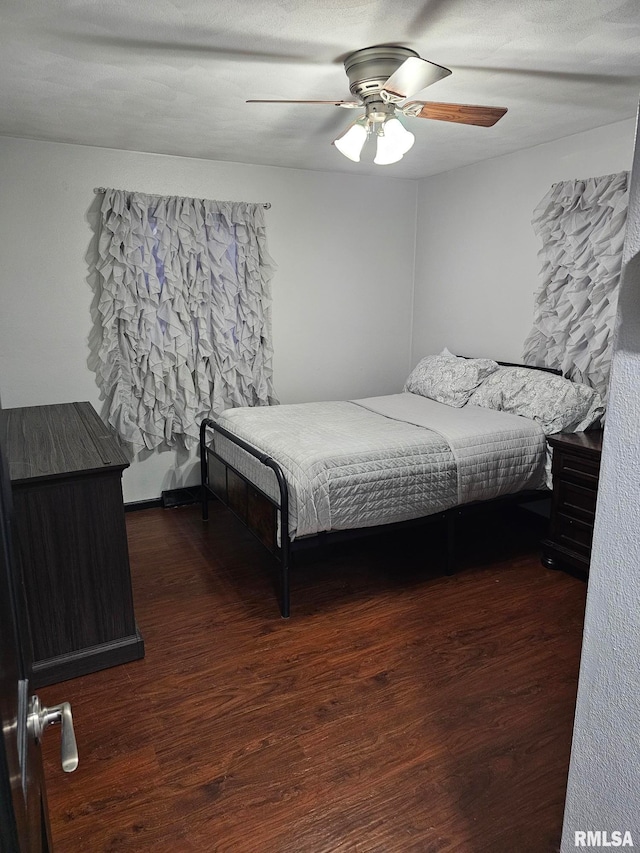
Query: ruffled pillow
554, 402
449, 379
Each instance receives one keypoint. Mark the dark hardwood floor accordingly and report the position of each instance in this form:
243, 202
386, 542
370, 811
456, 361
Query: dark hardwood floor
398, 711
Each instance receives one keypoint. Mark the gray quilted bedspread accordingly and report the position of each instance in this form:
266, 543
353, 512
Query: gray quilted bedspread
385, 459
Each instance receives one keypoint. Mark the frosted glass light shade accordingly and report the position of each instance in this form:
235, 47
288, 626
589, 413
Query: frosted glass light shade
393, 143
352, 142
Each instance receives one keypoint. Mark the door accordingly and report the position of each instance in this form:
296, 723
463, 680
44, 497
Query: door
24, 824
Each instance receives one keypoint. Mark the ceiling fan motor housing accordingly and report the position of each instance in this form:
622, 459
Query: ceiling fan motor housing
370, 68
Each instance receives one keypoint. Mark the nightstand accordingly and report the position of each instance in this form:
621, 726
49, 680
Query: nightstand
576, 470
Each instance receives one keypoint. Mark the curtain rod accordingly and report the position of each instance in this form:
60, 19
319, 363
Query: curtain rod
266, 204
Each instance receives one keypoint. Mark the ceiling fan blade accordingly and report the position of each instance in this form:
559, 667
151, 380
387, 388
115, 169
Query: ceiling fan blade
349, 105
411, 77
460, 113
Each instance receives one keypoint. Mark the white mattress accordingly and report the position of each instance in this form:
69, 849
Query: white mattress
379, 460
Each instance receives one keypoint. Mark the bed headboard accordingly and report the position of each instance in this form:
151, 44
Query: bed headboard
531, 367
553, 370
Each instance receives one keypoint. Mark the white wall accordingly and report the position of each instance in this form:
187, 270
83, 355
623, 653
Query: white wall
604, 774
345, 246
341, 296
476, 258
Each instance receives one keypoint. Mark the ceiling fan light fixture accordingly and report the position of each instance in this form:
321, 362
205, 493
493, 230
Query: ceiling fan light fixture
394, 140
381, 79
352, 141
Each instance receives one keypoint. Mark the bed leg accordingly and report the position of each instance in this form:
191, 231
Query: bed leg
450, 559
285, 596
285, 544
204, 471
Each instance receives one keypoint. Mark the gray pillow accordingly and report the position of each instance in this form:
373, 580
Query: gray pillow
556, 403
449, 379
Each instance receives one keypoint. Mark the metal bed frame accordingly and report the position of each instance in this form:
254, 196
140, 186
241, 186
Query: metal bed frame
268, 518
249, 503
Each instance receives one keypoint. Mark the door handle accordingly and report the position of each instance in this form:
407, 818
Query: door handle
40, 718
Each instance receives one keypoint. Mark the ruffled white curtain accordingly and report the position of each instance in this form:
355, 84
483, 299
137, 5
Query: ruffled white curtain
185, 309
582, 226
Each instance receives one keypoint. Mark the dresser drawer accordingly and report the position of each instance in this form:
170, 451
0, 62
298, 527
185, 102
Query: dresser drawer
572, 467
573, 534
577, 500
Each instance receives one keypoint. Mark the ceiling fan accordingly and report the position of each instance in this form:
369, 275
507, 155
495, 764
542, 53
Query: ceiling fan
383, 78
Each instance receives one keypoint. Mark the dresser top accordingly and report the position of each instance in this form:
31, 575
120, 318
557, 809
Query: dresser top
588, 443
42, 442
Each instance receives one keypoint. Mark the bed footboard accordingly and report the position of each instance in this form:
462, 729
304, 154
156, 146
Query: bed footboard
265, 517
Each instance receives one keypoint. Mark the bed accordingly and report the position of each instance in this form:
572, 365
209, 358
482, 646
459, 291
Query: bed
452, 439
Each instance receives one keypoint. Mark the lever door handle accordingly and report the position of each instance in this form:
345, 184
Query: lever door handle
40, 718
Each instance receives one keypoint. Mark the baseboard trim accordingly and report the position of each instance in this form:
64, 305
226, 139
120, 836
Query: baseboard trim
134, 506
180, 497
86, 661
168, 499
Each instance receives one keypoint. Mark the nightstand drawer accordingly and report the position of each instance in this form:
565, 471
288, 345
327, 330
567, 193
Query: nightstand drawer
577, 501
572, 533
577, 468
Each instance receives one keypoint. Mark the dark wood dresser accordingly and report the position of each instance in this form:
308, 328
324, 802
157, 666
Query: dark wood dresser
576, 470
70, 539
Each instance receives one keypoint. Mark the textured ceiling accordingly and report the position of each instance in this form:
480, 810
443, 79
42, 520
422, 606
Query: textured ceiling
172, 76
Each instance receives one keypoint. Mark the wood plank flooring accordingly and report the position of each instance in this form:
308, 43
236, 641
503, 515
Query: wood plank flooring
398, 711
